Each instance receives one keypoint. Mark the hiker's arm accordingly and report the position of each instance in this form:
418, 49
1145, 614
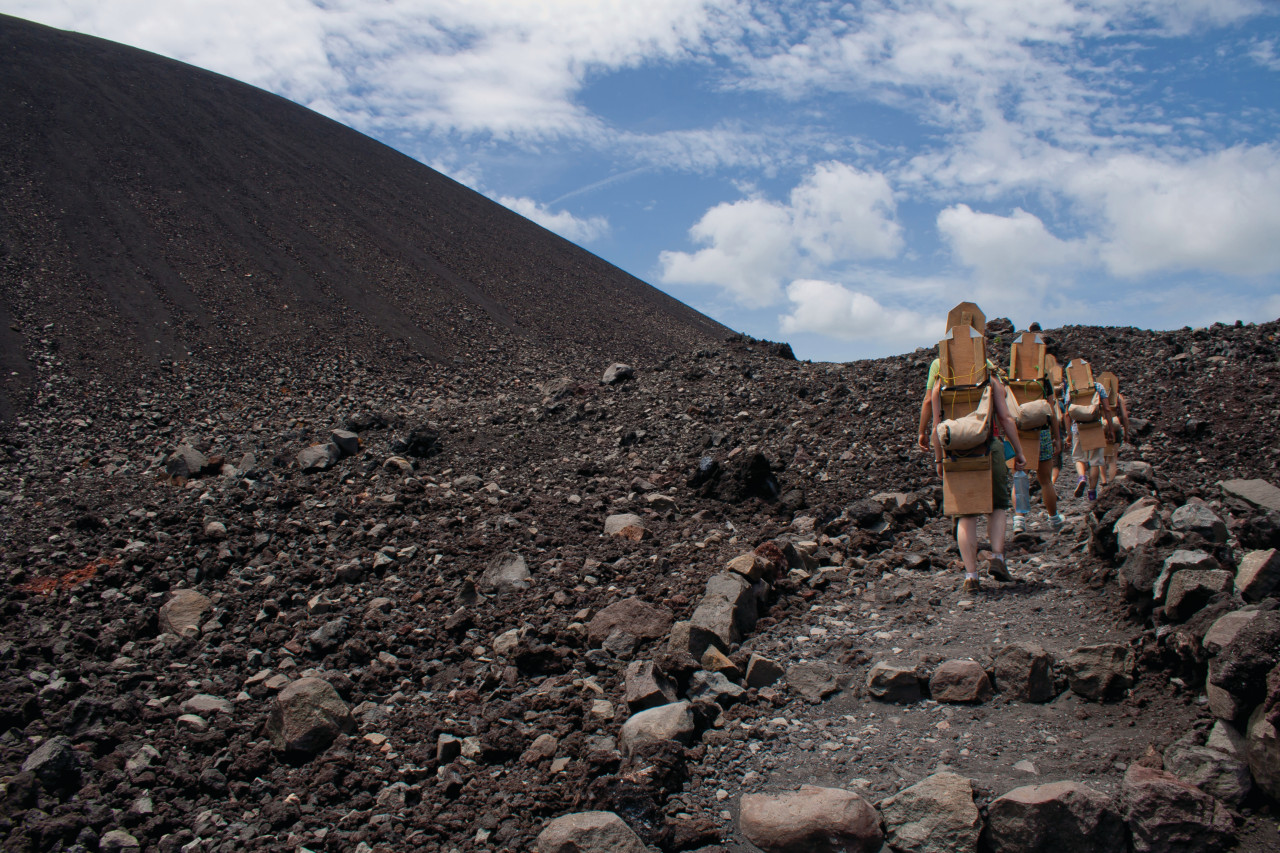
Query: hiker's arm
1124, 415
1055, 431
935, 406
926, 416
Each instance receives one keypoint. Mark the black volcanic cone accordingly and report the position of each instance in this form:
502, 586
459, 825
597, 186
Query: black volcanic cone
152, 210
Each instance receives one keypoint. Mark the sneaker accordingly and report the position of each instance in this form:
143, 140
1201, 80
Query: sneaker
1019, 523
1093, 495
1080, 487
1056, 521
998, 570
971, 585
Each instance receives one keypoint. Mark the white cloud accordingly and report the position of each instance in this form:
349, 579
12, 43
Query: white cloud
835, 215
509, 69
1010, 255
562, 222
1216, 213
831, 309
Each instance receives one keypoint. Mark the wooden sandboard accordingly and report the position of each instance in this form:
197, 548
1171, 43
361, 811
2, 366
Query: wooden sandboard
1080, 376
962, 358
1027, 357
967, 314
1111, 383
966, 486
1091, 436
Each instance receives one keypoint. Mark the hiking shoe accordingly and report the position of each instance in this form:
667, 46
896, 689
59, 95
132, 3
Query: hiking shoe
971, 585
1093, 495
1056, 521
1080, 487
1019, 523
998, 570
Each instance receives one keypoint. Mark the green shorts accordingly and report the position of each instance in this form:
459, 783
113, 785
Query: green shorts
1000, 497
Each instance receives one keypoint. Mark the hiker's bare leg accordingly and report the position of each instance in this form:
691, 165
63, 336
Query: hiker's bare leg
967, 539
1082, 469
1094, 471
1045, 475
995, 532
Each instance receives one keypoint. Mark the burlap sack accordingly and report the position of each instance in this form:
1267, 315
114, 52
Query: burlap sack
1088, 413
970, 431
1033, 415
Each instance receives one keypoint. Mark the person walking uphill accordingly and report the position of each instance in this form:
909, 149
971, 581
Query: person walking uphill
968, 448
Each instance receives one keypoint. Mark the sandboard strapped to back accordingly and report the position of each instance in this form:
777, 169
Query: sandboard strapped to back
1111, 383
967, 409
1028, 367
1085, 408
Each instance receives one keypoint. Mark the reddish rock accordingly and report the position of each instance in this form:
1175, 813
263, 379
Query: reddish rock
1060, 817
1167, 815
960, 681
811, 820
639, 618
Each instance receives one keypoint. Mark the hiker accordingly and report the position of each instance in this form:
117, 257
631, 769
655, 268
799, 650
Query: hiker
1089, 463
1119, 428
967, 525
1050, 449
1035, 411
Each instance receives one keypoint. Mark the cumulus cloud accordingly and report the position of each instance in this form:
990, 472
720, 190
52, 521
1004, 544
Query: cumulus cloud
832, 309
562, 222
835, 215
1010, 255
1215, 213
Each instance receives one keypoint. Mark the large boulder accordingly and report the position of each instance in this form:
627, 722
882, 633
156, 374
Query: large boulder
318, 457
960, 681
184, 612
637, 617
505, 573
811, 820
1167, 815
1060, 817
1260, 493
56, 763
1258, 574
673, 721
588, 832
1262, 738
185, 462
1217, 773
935, 815
1181, 561
728, 609
307, 715
1100, 672
1190, 591
647, 686
1140, 525
1024, 672
890, 682
1240, 668
1195, 516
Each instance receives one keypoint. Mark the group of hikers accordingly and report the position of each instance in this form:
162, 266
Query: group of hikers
976, 416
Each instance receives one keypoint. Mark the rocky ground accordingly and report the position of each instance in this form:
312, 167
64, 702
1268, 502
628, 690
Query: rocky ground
446, 584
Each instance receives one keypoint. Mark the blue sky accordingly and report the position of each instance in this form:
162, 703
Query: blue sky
836, 175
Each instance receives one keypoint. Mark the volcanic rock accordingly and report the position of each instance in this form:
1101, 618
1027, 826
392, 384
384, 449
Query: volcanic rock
1100, 672
1181, 561
1258, 574
960, 681
892, 683
506, 573
762, 672
811, 820
307, 715
1140, 525
647, 686
814, 681
935, 815
666, 722
637, 617
1060, 817
1024, 672
588, 832
1260, 493
1167, 815
184, 613
1191, 590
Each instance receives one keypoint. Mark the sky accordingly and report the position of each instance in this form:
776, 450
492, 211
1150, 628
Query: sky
836, 175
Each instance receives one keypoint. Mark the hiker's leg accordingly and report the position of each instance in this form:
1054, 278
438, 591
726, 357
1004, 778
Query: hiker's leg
995, 531
967, 539
1045, 475
1094, 471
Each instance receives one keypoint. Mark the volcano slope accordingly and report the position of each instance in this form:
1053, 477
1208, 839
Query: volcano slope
486, 702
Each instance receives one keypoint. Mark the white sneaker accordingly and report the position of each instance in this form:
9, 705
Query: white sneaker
1056, 521
1019, 523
